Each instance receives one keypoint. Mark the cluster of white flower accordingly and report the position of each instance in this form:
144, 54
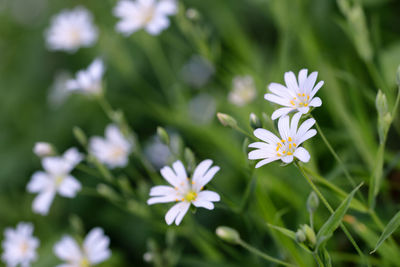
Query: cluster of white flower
296, 96
20, 248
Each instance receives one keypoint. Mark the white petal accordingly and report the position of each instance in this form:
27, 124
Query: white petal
67, 249
158, 24
201, 169
316, 102
207, 195
203, 204
39, 181
96, 69
56, 165
69, 187
170, 176
280, 112
291, 83
161, 190
265, 161
302, 154
287, 159
283, 127
73, 156
261, 145
307, 136
278, 100
302, 77
294, 123
41, 204
178, 210
303, 110
96, 246
205, 179
280, 90
163, 199
309, 84
304, 127
258, 154
179, 170
167, 7
266, 136
316, 88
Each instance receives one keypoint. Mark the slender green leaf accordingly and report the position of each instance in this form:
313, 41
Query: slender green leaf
335, 219
284, 231
389, 229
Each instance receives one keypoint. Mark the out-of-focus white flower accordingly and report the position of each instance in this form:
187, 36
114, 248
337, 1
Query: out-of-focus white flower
55, 179
185, 191
151, 15
197, 71
94, 249
71, 29
295, 96
244, 90
89, 81
114, 149
288, 146
43, 149
58, 90
20, 246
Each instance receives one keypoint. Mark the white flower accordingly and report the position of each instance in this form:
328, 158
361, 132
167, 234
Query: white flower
94, 250
113, 150
71, 29
244, 90
151, 15
20, 246
88, 81
55, 179
295, 96
43, 149
184, 191
286, 147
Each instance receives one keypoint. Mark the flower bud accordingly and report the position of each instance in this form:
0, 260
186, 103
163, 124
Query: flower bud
80, 135
384, 116
192, 14
255, 121
310, 235
381, 103
163, 135
312, 202
189, 159
226, 120
43, 149
300, 236
228, 234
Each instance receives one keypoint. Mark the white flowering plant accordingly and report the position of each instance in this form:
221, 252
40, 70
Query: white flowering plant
199, 133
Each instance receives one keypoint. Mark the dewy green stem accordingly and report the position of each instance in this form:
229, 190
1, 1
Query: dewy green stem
328, 206
335, 155
262, 254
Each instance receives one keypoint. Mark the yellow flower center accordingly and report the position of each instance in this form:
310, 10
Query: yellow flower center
301, 100
191, 196
59, 179
285, 147
24, 247
84, 263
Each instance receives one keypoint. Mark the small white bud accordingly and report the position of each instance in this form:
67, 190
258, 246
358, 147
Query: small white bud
43, 149
228, 234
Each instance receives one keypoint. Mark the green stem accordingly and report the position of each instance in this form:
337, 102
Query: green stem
262, 254
108, 110
328, 206
318, 260
376, 76
335, 155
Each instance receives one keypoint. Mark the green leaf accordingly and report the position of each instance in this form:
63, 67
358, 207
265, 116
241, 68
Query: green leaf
325, 257
284, 231
389, 229
334, 221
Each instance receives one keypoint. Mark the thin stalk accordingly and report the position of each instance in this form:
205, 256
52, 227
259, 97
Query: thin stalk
318, 260
105, 105
262, 254
335, 155
328, 206
376, 76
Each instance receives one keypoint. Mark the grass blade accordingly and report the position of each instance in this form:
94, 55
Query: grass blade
389, 229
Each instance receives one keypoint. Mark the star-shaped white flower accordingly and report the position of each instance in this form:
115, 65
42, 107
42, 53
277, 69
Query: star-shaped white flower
151, 15
114, 149
296, 95
71, 29
185, 191
20, 246
244, 90
288, 146
94, 250
88, 81
55, 179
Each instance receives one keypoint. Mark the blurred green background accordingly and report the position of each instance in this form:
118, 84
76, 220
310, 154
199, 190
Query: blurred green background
164, 81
